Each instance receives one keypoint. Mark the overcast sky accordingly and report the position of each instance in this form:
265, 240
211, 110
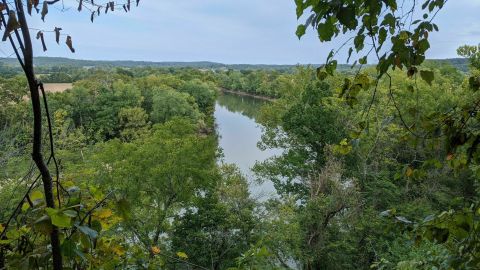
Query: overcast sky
227, 31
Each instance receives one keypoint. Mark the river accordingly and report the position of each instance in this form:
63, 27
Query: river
236, 119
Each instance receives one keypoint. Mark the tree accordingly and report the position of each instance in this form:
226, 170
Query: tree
204, 93
395, 34
217, 228
159, 174
17, 31
169, 103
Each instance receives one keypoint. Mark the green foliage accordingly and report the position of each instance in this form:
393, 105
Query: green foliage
216, 228
299, 113
472, 53
388, 181
168, 104
378, 21
100, 126
204, 93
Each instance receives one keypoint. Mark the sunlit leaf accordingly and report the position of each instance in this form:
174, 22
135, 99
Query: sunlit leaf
182, 255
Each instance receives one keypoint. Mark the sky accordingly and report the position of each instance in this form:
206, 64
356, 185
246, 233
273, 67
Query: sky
226, 31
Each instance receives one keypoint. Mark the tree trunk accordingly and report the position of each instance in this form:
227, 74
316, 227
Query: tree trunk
37, 155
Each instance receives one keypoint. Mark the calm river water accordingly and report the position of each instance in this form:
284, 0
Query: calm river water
239, 134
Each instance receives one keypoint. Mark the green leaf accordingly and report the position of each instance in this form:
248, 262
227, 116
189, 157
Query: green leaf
25, 207
389, 20
363, 60
363, 80
331, 67
124, 209
427, 76
326, 30
70, 213
6, 241
404, 35
346, 16
382, 36
68, 248
359, 42
321, 74
36, 195
43, 225
58, 218
88, 231
423, 45
350, 51
425, 4
392, 4
300, 31
474, 83
300, 8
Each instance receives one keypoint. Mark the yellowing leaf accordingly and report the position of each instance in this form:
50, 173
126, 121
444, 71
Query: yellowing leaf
104, 213
118, 250
155, 250
409, 172
36, 195
182, 255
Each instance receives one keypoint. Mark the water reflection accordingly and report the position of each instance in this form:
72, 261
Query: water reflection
239, 134
245, 105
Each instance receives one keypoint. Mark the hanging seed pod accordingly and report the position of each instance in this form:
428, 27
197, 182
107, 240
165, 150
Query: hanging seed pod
57, 34
12, 25
44, 10
29, 7
70, 44
40, 36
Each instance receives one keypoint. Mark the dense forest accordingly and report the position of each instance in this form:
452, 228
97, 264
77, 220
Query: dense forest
141, 152
377, 162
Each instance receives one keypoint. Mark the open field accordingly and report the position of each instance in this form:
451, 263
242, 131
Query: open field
57, 87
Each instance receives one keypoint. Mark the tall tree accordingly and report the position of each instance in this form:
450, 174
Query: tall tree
17, 32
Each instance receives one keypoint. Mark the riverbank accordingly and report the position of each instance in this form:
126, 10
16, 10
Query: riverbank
246, 94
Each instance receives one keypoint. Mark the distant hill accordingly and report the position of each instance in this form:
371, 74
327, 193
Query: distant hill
459, 63
49, 62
